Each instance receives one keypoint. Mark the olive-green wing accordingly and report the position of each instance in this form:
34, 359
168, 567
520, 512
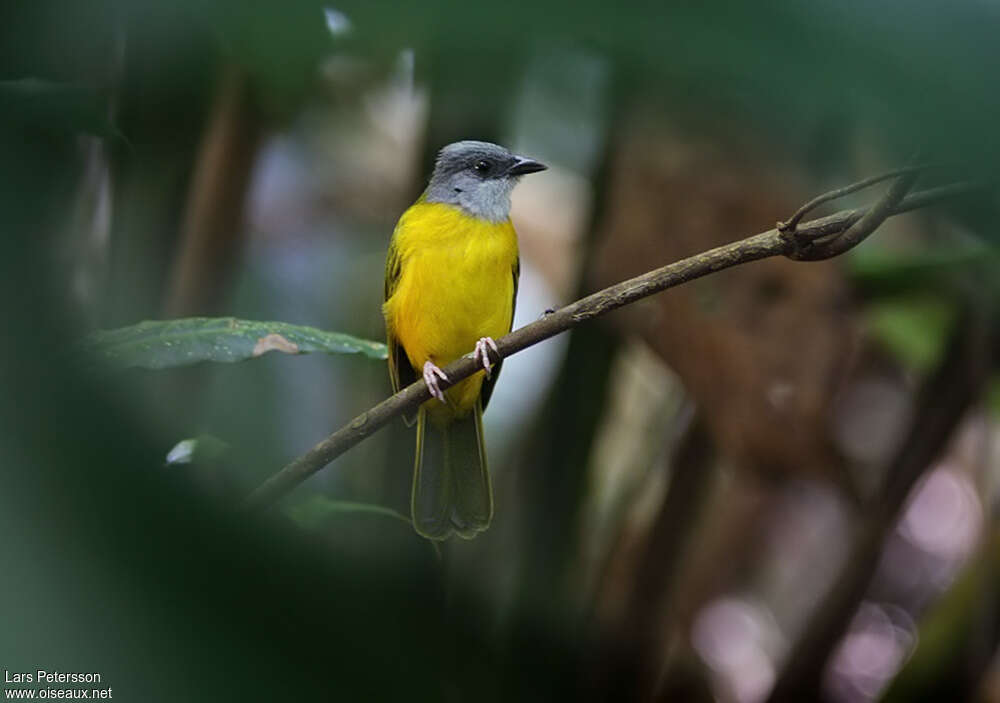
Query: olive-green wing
401, 374
490, 382
452, 489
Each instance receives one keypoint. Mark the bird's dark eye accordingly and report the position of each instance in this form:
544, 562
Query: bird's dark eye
482, 167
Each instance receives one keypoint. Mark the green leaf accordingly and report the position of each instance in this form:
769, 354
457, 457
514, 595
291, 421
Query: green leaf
913, 328
201, 449
313, 512
993, 396
881, 273
344, 521
162, 344
58, 106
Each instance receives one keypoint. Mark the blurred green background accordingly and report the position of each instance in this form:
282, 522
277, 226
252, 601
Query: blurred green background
698, 498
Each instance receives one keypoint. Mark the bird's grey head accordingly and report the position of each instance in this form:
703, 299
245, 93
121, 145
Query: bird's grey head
479, 178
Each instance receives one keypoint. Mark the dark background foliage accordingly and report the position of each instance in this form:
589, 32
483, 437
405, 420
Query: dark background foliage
680, 488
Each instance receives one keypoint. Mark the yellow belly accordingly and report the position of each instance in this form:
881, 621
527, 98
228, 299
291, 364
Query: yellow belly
456, 284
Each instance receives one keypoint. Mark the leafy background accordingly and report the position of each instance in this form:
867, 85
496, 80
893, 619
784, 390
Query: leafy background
672, 500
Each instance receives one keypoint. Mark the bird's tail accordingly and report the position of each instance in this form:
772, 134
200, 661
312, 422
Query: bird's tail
452, 491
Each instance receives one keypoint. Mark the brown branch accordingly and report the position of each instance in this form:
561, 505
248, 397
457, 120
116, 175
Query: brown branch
859, 231
760, 246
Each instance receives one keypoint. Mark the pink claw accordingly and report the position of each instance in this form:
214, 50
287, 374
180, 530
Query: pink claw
431, 375
482, 352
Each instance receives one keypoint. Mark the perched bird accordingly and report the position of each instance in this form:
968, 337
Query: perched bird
450, 286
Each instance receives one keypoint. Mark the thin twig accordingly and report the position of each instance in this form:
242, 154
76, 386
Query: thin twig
760, 246
790, 224
859, 231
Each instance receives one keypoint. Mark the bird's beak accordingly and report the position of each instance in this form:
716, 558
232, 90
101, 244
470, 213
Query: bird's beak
523, 165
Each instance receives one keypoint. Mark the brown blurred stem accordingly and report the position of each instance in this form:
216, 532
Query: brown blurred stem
629, 661
942, 403
760, 246
212, 228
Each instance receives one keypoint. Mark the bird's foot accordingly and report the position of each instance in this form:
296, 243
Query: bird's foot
431, 375
482, 353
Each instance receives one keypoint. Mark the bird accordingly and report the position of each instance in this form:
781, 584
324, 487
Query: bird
451, 279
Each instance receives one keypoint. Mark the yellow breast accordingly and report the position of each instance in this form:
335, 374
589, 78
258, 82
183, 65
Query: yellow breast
456, 284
